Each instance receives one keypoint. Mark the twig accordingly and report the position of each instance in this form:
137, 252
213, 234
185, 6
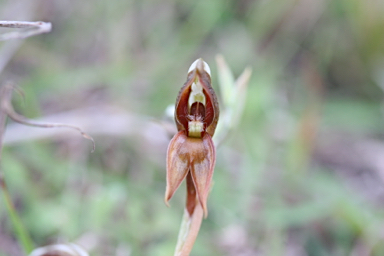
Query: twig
28, 29
6, 106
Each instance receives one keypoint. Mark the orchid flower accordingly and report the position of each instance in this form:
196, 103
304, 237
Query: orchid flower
191, 152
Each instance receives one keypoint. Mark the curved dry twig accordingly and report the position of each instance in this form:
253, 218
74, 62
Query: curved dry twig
6, 106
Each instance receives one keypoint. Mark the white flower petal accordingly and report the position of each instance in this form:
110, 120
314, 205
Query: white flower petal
206, 66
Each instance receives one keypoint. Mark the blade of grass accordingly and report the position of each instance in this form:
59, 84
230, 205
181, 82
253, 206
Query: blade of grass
20, 231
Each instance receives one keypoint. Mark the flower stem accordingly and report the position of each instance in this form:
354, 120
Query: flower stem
190, 226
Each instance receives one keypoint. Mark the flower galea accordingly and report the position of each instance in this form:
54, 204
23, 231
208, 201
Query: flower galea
191, 152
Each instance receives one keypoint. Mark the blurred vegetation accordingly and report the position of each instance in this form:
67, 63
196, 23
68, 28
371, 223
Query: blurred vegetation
302, 175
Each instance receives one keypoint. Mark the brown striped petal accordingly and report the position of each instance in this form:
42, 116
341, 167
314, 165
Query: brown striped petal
203, 158
178, 162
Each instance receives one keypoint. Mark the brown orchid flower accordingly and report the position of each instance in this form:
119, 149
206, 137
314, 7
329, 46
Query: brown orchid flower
191, 152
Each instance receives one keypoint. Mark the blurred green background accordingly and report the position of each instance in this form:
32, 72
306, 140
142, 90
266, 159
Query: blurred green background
302, 175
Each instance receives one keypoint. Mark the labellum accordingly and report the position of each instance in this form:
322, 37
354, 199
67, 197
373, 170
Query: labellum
191, 152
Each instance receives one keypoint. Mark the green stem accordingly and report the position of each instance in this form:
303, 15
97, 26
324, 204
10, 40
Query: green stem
21, 233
